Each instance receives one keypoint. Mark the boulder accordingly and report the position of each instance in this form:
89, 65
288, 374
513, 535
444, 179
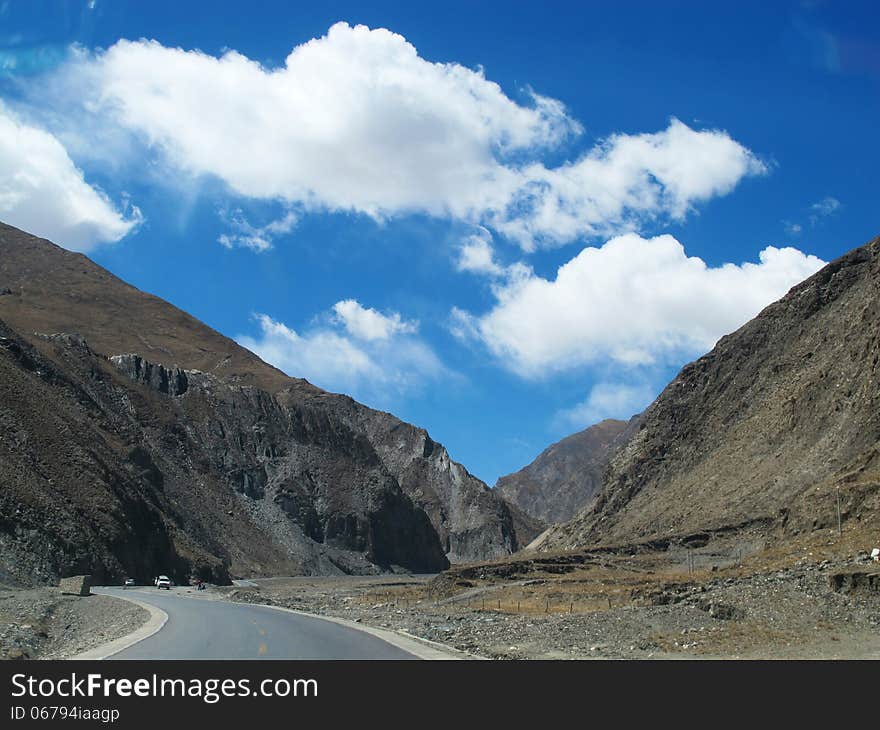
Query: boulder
76, 585
855, 581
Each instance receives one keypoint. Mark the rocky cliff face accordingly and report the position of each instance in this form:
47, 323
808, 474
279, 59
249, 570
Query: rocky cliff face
231, 465
77, 495
762, 431
108, 473
566, 475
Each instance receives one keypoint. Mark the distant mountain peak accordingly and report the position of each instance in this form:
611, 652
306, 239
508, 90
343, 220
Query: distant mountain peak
566, 475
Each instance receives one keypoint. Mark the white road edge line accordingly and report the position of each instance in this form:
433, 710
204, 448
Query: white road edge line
158, 619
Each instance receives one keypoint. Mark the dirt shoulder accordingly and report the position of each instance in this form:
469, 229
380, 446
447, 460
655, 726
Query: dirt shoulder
803, 604
41, 623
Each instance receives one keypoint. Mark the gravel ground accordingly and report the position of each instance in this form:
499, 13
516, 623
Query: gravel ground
785, 613
40, 623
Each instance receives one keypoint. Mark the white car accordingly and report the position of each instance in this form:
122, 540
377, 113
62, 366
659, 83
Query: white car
128, 582
163, 581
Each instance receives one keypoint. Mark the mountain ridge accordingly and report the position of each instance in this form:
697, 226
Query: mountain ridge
565, 475
306, 474
763, 430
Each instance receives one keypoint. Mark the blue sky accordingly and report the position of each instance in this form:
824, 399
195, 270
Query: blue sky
498, 221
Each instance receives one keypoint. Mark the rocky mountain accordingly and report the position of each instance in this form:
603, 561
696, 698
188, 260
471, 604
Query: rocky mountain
566, 475
762, 433
135, 439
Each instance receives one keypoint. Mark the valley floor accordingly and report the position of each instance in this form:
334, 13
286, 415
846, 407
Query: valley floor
818, 598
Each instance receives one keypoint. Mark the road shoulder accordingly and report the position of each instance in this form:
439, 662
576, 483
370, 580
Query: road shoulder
154, 624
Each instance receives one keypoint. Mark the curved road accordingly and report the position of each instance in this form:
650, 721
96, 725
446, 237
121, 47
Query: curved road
202, 628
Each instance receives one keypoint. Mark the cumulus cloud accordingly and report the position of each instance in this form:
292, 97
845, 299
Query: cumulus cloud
365, 323
256, 238
626, 178
607, 400
477, 256
43, 192
356, 350
357, 121
353, 121
632, 301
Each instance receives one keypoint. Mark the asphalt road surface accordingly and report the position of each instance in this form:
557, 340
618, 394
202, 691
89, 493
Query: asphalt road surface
201, 628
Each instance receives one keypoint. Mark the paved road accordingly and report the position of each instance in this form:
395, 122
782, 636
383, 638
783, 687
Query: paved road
201, 628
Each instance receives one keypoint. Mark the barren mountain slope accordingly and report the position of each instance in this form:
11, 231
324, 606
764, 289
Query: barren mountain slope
55, 290
763, 429
566, 475
181, 473
315, 467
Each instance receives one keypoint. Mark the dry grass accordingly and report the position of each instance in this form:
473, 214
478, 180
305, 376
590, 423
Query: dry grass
728, 640
619, 581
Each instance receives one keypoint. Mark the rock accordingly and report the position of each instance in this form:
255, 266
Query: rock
77, 585
721, 611
171, 381
855, 581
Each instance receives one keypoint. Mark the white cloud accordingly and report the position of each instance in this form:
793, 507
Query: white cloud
824, 208
607, 400
351, 354
256, 238
353, 121
626, 178
43, 192
477, 256
358, 121
818, 211
633, 301
368, 324
320, 355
